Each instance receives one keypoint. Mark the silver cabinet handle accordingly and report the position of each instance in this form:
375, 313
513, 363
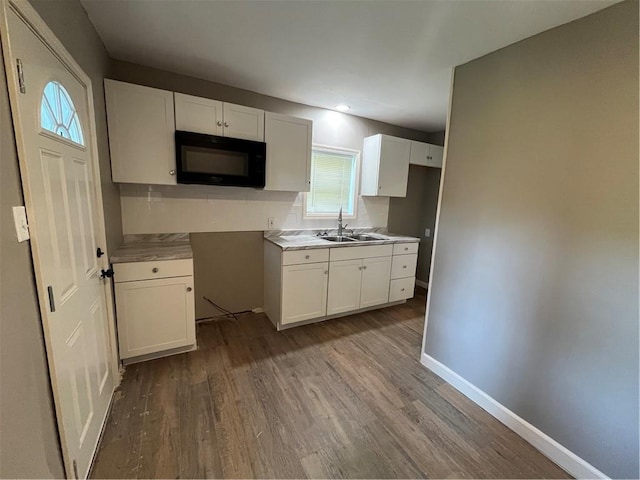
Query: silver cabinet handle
172, 172
189, 289
219, 123
307, 257
406, 249
154, 269
404, 266
326, 272
226, 124
402, 289
379, 187
365, 267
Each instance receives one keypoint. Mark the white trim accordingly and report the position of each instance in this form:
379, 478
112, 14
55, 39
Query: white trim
40, 28
356, 187
559, 454
422, 284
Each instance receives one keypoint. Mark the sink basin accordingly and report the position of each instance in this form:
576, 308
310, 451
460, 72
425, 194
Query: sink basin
338, 238
363, 237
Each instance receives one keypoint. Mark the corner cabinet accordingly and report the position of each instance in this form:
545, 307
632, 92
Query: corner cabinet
155, 308
288, 152
141, 133
385, 166
426, 154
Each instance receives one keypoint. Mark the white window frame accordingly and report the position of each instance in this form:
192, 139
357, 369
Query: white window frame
356, 193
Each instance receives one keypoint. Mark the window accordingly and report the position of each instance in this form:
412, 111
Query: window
58, 115
333, 182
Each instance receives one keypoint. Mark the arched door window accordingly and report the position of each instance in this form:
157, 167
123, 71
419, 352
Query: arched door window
58, 114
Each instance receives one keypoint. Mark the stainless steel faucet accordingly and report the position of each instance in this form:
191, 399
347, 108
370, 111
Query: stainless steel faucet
340, 226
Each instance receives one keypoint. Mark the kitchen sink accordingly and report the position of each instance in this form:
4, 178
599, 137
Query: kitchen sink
363, 238
339, 238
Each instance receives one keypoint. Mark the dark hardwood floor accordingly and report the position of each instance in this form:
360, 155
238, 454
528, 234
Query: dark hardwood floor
342, 398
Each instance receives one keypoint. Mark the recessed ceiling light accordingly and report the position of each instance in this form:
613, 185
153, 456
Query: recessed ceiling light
343, 108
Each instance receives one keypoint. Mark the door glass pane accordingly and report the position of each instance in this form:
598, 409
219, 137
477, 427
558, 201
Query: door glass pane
58, 113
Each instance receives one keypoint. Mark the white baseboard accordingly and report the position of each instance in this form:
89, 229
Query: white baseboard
562, 456
422, 284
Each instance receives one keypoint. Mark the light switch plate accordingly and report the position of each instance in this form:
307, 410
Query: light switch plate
427, 232
271, 223
20, 221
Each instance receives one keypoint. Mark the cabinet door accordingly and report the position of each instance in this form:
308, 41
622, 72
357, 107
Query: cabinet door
288, 152
141, 133
436, 153
243, 122
394, 166
304, 292
419, 153
155, 315
345, 278
199, 115
376, 275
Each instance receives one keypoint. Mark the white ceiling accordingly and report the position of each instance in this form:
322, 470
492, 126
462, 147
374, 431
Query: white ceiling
388, 60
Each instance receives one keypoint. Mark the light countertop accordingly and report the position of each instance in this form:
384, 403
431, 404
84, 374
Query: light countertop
148, 248
301, 240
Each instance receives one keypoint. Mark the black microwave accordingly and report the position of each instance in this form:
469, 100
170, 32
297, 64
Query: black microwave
213, 160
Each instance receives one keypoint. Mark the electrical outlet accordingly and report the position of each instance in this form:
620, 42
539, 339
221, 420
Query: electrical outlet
271, 224
427, 232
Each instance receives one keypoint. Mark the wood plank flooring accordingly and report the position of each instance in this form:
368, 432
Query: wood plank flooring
345, 398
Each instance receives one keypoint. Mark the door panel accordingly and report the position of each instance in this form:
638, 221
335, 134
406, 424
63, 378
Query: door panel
243, 122
304, 292
198, 115
394, 166
376, 275
345, 278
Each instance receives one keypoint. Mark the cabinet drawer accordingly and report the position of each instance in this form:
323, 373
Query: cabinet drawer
401, 289
129, 272
368, 251
298, 257
404, 266
405, 248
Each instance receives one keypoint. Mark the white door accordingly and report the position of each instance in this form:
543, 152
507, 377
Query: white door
345, 278
376, 275
394, 166
288, 152
57, 167
198, 115
243, 122
436, 154
304, 292
419, 153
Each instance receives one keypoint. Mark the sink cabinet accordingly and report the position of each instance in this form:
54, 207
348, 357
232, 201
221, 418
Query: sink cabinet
317, 284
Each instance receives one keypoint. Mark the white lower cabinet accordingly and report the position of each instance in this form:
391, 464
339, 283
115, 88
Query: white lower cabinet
155, 310
304, 292
376, 274
301, 285
344, 286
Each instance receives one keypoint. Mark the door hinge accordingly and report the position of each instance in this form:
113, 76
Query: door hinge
75, 469
20, 76
52, 304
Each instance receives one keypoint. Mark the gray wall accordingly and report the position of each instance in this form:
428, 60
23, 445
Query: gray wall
414, 213
534, 297
228, 271
242, 288
29, 444
28, 434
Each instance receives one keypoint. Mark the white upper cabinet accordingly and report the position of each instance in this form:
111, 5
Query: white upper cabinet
288, 142
385, 166
243, 122
198, 115
212, 117
141, 133
426, 154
